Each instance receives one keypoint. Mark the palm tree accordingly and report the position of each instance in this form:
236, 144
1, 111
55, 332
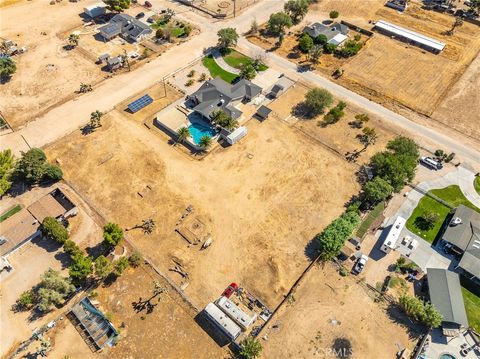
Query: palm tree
315, 54
229, 124
95, 118
73, 40
205, 142
182, 134
218, 117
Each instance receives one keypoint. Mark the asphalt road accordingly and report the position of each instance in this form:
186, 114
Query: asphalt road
73, 114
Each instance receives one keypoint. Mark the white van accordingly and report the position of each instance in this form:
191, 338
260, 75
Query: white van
430, 162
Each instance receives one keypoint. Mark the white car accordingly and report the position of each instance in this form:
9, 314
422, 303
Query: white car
361, 263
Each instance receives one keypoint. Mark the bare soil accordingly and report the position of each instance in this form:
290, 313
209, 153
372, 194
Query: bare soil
328, 307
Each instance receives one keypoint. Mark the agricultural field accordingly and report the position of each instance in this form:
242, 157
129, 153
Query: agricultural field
342, 308
260, 225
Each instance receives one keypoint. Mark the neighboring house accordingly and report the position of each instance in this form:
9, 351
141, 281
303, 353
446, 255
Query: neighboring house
446, 296
17, 230
463, 233
335, 33
217, 94
400, 5
114, 63
23, 226
127, 27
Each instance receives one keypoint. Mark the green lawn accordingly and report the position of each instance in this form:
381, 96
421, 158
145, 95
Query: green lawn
476, 183
177, 31
367, 222
10, 212
452, 195
217, 71
238, 60
472, 305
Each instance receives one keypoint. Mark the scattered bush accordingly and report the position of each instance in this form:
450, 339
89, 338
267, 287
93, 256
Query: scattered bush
120, 265
350, 48
334, 14
135, 259
112, 234
189, 82
335, 113
53, 229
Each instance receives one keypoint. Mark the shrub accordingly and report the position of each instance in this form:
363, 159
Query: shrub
26, 300
191, 73
135, 259
120, 265
334, 14
51, 228
52, 172
305, 43
357, 37
335, 113
103, 267
112, 234
189, 82
350, 48
316, 100
71, 248
320, 40
329, 48
81, 268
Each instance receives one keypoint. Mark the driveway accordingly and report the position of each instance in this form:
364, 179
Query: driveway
466, 176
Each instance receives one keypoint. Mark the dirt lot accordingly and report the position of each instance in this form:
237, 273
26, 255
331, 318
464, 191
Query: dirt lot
224, 6
266, 219
30, 261
340, 137
36, 86
393, 73
343, 309
171, 325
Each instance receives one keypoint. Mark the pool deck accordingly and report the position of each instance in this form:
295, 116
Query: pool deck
440, 345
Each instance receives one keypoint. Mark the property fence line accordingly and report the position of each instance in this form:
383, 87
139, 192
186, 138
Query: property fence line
427, 193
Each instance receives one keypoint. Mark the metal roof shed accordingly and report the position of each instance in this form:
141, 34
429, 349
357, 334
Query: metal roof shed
222, 321
235, 313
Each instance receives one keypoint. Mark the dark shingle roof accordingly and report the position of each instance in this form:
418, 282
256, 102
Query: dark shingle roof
330, 32
126, 25
446, 295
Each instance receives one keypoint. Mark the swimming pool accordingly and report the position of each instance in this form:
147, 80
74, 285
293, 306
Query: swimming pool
199, 128
446, 356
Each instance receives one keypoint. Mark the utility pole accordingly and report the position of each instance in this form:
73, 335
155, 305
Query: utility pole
234, 8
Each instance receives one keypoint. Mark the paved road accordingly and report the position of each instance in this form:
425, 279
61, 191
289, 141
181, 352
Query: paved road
73, 114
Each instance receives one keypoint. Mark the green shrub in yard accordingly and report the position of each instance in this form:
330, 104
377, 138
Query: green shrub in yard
135, 259
51, 228
26, 300
120, 265
335, 113
112, 234
71, 248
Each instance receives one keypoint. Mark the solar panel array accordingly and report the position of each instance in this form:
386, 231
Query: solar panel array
137, 105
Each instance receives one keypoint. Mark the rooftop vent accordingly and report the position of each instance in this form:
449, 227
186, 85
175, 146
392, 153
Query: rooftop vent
456, 221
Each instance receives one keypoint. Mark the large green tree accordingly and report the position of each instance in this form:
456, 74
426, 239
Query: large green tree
305, 43
278, 22
227, 37
103, 267
316, 100
296, 9
251, 348
117, 5
53, 289
7, 162
377, 190
7, 67
81, 268
53, 229
112, 234
33, 167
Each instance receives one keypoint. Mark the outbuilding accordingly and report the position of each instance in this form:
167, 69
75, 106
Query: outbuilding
237, 135
263, 112
95, 10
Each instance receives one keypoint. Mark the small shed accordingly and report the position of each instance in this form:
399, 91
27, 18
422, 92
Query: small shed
263, 112
237, 135
95, 10
276, 90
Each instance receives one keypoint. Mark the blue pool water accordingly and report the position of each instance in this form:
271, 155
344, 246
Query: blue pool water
200, 128
447, 356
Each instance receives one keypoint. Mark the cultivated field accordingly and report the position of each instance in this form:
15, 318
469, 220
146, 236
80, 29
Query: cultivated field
260, 224
47, 73
329, 308
169, 331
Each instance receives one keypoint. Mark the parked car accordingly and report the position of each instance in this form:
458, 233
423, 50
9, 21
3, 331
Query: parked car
360, 264
431, 163
148, 4
151, 20
230, 290
140, 15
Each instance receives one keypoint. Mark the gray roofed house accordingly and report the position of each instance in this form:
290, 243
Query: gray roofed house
446, 296
127, 26
217, 94
463, 232
331, 31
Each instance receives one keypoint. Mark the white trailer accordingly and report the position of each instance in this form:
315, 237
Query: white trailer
237, 135
221, 321
391, 241
235, 313
95, 10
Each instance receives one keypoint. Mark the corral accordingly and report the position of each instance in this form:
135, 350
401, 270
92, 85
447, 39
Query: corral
347, 318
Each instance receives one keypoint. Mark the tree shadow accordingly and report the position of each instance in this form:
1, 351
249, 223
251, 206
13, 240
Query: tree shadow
303, 112
87, 129
423, 224
203, 322
146, 305
109, 280
97, 250
398, 316
342, 347
311, 249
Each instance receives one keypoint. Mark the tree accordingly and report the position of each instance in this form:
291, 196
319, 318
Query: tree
135, 259
402, 145
71, 248
315, 54
52, 172
227, 37
26, 300
428, 220
335, 113
368, 137
350, 48
168, 15
30, 167
360, 119
248, 72
103, 267
81, 268
320, 40
220, 118
329, 48
7, 67
53, 229
73, 39
120, 265
278, 22
431, 316
205, 142
53, 289
84, 88
377, 190
7, 162
296, 9
334, 14
316, 100
253, 27
333, 237
182, 134
418, 310
305, 43
250, 348
112, 234
457, 23
117, 5
96, 118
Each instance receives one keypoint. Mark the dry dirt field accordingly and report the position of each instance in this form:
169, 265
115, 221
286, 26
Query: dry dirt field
393, 73
225, 6
340, 137
342, 308
260, 224
36, 86
170, 331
